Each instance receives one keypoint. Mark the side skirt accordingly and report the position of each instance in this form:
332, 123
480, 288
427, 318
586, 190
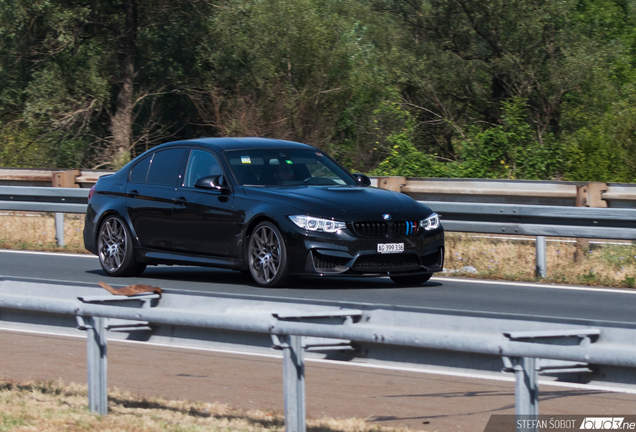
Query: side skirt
151, 256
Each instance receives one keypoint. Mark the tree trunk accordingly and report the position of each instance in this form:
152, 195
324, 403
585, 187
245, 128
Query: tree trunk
121, 121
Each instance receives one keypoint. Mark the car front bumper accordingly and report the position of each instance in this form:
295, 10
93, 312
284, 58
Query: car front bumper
344, 253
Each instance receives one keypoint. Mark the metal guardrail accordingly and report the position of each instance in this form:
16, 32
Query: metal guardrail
43, 199
552, 193
534, 220
580, 350
558, 221
489, 218
558, 193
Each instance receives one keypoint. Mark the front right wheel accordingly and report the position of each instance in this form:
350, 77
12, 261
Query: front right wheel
267, 256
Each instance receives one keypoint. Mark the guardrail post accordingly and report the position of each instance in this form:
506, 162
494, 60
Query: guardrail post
391, 183
526, 391
59, 228
589, 195
294, 383
97, 366
542, 266
65, 179
96, 351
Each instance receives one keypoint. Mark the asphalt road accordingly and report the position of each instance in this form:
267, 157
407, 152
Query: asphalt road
468, 295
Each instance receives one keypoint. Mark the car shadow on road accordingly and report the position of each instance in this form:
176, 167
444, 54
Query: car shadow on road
230, 277
352, 283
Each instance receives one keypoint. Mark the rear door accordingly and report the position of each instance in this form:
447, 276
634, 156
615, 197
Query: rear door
150, 193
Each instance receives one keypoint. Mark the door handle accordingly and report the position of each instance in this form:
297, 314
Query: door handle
133, 193
181, 200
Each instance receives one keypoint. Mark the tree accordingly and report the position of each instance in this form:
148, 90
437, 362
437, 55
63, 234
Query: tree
458, 86
303, 70
87, 80
463, 58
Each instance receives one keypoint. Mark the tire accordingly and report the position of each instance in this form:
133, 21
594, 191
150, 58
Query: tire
414, 279
267, 256
115, 249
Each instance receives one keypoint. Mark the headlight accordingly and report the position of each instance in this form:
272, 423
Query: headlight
318, 224
431, 222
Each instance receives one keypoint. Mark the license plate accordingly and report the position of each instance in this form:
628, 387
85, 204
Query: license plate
390, 248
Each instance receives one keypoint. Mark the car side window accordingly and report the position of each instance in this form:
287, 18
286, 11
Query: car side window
139, 173
165, 167
201, 164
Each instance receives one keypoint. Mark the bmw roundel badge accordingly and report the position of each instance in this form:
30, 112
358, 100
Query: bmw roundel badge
386, 216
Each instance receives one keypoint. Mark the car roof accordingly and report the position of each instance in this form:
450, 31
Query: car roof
243, 143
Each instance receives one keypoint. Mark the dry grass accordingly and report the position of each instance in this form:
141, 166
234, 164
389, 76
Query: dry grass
53, 407
493, 258
603, 264
36, 231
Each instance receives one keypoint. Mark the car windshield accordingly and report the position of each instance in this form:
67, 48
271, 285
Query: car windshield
286, 167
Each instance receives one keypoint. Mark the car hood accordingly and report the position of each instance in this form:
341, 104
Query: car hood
344, 202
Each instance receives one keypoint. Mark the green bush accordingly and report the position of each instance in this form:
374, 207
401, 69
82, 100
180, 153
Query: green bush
510, 150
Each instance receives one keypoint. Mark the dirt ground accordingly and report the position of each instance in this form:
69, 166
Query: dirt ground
422, 401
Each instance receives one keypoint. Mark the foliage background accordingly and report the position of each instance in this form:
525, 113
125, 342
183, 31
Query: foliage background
539, 89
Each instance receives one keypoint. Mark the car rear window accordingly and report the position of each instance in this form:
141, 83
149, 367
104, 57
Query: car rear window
139, 173
161, 168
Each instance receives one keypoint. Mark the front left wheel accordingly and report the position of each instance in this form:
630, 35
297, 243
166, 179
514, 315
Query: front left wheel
267, 256
116, 250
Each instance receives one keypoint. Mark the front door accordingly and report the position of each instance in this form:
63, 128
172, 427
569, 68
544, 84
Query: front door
204, 219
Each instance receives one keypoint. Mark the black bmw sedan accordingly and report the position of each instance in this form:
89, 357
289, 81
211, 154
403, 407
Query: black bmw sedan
269, 207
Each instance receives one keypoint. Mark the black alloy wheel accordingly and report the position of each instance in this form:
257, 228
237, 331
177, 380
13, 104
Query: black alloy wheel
267, 256
413, 279
115, 249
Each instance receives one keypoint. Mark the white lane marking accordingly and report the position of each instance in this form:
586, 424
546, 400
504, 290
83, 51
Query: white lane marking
48, 253
471, 375
534, 285
436, 279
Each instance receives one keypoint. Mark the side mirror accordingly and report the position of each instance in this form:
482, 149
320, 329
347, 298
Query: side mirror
362, 180
215, 182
